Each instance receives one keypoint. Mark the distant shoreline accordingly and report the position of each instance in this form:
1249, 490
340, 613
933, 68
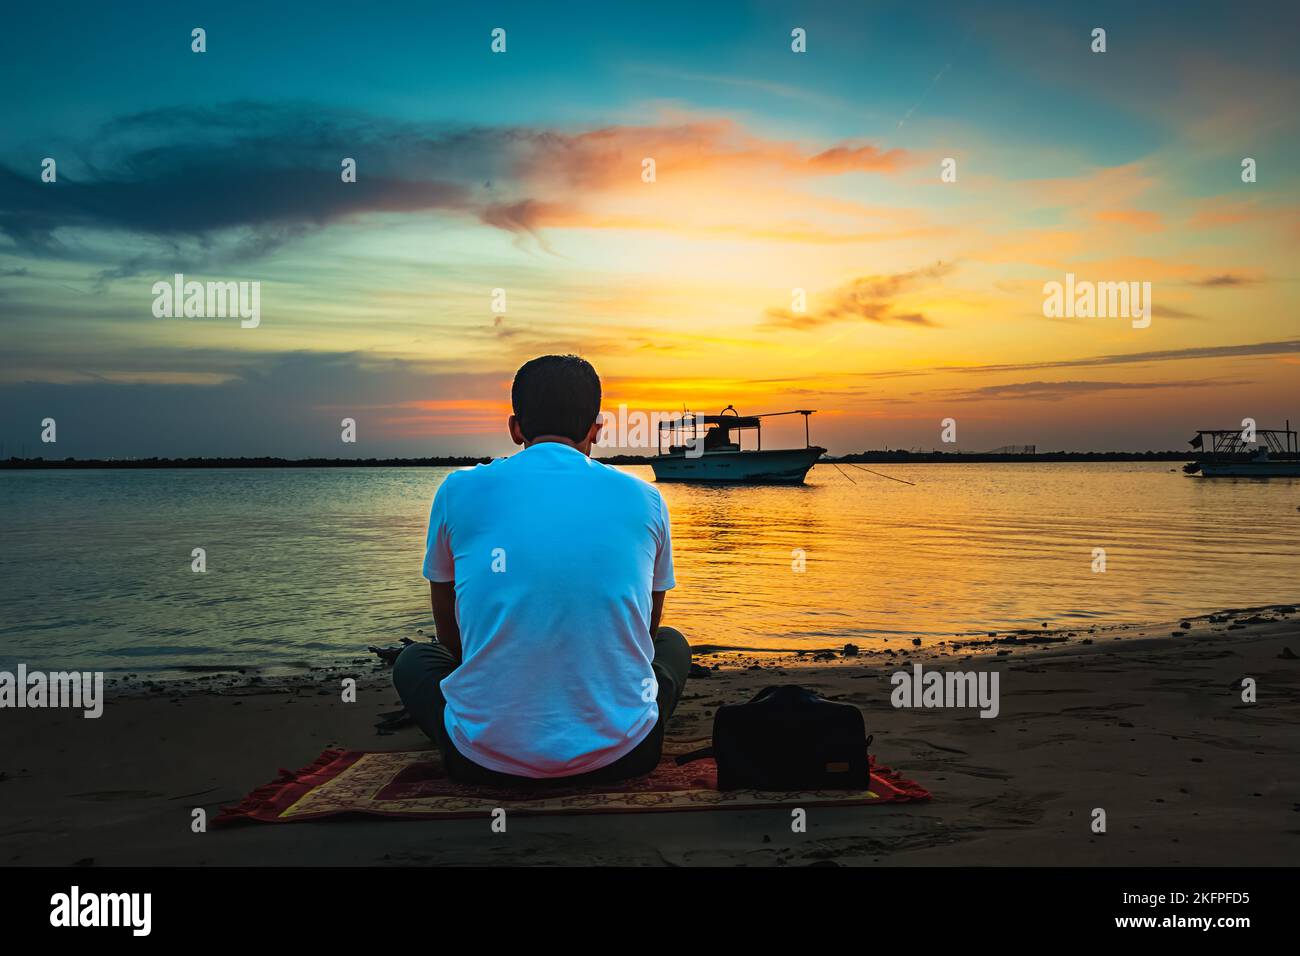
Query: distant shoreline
866, 457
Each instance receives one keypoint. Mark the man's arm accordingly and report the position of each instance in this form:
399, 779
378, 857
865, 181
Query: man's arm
442, 594
662, 578
656, 611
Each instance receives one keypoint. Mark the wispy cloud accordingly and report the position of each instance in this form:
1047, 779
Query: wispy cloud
1285, 347
1170, 312
1059, 391
868, 298
1225, 280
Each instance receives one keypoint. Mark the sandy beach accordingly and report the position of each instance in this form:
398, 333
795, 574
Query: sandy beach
1147, 725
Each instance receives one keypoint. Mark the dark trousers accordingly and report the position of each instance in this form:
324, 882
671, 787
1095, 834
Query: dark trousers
420, 668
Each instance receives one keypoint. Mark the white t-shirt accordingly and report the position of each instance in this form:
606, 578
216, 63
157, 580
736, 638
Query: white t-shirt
554, 556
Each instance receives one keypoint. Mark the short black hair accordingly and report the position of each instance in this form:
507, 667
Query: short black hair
556, 395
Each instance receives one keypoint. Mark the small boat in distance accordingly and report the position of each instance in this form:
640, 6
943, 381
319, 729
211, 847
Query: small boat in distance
1225, 453
705, 451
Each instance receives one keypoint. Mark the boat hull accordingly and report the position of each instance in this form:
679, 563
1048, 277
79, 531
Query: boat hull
786, 466
1251, 469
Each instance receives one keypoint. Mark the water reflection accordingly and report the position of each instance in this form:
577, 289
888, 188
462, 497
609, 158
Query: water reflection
305, 564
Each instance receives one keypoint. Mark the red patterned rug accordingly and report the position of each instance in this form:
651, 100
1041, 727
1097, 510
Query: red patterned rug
410, 784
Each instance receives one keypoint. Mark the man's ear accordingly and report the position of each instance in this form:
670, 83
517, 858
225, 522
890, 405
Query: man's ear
594, 432
516, 434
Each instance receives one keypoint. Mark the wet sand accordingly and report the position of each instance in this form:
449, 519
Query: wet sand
1148, 726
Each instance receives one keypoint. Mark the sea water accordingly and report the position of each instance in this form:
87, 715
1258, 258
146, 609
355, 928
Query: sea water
308, 566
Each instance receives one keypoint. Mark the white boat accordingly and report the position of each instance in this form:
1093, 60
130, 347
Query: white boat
706, 451
1225, 453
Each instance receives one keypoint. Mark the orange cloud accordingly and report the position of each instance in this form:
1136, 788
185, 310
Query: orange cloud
1139, 219
711, 177
611, 158
1220, 211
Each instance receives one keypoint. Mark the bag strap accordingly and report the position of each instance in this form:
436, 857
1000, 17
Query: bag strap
695, 755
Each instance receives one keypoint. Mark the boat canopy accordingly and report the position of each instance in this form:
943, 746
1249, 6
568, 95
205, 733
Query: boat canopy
723, 420
1232, 441
687, 420
718, 428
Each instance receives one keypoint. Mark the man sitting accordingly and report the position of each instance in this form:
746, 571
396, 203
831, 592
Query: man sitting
547, 572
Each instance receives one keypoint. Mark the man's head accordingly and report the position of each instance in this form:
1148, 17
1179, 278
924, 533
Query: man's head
556, 398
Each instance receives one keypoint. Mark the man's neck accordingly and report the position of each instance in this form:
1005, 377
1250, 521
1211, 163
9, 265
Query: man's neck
584, 447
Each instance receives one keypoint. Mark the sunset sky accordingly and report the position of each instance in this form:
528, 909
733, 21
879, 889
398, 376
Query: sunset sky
774, 171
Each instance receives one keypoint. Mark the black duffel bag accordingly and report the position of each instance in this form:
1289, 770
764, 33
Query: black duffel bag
788, 738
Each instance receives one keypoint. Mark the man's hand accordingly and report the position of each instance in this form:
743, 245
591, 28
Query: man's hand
442, 594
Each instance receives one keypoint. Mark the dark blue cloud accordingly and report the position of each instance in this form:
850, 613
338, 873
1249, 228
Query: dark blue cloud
245, 178
288, 405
